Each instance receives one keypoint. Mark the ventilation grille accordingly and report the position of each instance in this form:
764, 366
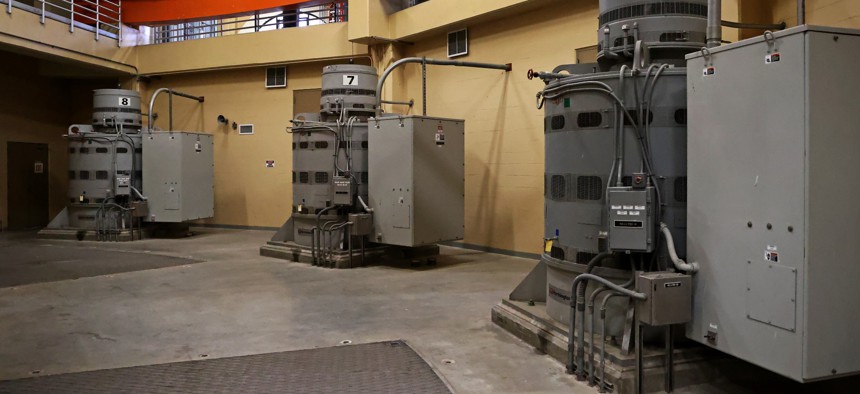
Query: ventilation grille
654, 8
677, 36
589, 188
569, 187
458, 43
681, 116
72, 175
101, 150
589, 119
680, 189
84, 175
101, 175
276, 77
348, 92
321, 178
620, 41
556, 253
121, 150
557, 187
117, 109
584, 257
556, 122
84, 150
304, 177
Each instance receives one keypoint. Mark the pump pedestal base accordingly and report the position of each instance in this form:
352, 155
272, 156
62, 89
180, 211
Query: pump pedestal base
373, 254
148, 230
694, 364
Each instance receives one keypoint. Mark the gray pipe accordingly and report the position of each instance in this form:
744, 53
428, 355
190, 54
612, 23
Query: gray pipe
619, 129
715, 29
171, 92
801, 12
673, 255
571, 347
387, 72
602, 388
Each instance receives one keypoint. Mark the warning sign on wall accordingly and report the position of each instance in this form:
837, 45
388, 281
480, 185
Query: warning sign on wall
270, 164
39, 168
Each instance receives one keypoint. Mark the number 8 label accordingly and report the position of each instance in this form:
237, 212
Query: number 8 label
124, 102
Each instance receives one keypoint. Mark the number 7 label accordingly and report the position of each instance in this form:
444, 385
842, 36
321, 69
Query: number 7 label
350, 80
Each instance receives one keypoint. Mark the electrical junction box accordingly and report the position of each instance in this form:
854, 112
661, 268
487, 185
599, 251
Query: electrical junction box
416, 166
341, 190
669, 298
631, 219
362, 224
772, 212
123, 185
178, 176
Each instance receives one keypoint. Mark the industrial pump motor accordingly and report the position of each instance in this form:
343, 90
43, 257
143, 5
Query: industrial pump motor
330, 165
105, 162
121, 175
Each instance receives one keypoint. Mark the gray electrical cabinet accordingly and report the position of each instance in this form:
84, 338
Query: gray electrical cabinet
631, 219
417, 179
773, 218
178, 176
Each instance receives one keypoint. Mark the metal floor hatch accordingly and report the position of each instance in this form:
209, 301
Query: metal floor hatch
383, 367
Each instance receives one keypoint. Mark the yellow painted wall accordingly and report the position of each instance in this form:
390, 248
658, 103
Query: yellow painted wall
837, 13
37, 109
246, 193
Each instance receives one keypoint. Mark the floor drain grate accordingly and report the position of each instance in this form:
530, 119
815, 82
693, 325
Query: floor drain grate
384, 367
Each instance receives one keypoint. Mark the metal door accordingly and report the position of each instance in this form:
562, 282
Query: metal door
27, 185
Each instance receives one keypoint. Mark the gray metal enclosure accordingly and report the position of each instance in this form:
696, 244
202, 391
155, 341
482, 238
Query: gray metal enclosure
773, 219
417, 188
178, 176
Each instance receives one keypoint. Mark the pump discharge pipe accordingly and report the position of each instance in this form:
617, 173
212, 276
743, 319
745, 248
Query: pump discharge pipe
424, 62
171, 92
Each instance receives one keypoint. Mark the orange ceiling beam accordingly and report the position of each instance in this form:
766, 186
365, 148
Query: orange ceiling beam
151, 12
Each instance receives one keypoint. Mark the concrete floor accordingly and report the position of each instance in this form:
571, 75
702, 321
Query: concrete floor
236, 302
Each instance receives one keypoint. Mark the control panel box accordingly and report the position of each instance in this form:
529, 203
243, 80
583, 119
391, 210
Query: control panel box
122, 185
416, 166
631, 219
669, 298
341, 190
178, 176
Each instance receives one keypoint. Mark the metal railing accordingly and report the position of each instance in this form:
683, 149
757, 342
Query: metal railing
331, 12
101, 17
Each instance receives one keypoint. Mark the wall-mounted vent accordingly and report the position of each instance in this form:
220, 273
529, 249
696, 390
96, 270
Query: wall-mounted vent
458, 43
246, 129
276, 77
